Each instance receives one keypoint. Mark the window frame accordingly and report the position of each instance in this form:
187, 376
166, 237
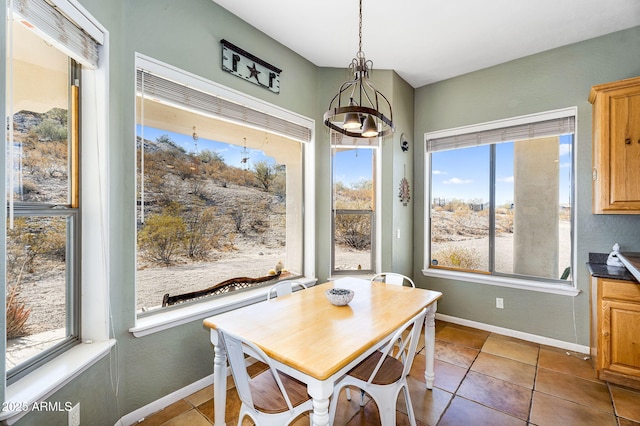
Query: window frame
93, 230
162, 319
540, 285
374, 144
71, 210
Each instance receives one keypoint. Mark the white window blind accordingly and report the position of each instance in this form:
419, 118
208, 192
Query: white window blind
54, 26
340, 140
152, 86
526, 131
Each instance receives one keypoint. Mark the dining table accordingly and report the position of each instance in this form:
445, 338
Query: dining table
317, 342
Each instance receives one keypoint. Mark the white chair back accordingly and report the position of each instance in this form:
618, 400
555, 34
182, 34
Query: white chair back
406, 345
393, 278
236, 349
283, 288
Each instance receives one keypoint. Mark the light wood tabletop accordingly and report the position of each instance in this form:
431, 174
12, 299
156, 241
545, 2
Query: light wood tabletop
308, 334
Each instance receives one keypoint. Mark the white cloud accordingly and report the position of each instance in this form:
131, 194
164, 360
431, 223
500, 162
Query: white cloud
457, 181
508, 179
564, 149
438, 172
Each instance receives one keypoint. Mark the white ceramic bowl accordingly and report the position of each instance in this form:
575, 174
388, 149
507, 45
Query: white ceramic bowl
339, 296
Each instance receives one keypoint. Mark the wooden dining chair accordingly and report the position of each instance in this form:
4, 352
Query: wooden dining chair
283, 288
384, 373
393, 278
270, 398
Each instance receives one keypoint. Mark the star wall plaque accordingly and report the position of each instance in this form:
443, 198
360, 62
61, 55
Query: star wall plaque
243, 64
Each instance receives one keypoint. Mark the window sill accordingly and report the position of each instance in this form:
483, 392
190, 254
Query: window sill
166, 319
21, 396
539, 286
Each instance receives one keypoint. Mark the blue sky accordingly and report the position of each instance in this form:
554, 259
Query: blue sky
232, 154
454, 175
464, 174
353, 166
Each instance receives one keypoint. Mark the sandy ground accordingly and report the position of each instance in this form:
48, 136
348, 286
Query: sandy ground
45, 295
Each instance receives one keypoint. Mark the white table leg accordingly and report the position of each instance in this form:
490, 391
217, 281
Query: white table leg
320, 393
430, 344
219, 382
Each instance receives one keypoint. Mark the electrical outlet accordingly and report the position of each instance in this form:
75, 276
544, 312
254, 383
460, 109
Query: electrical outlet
74, 415
499, 303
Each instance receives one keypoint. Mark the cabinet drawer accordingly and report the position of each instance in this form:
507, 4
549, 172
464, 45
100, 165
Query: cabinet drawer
620, 290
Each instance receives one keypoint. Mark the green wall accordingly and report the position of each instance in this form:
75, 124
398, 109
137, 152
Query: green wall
551, 80
187, 35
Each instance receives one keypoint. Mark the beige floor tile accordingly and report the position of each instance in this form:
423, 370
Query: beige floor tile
497, 394
511, 348
625, 422
455, 354
192, 418
200, 397
572, 388
557, 359
346, 410
476, 331
428, 405
506, 369
547, 410
168, 413
626, 402
448, 376
463, 336
232, 407
463, 412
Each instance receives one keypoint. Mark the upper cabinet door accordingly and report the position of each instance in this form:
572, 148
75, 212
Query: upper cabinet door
616, 147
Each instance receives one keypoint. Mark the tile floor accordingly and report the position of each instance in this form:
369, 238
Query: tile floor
481, 379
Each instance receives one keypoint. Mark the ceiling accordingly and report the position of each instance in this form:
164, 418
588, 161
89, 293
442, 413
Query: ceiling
426, 41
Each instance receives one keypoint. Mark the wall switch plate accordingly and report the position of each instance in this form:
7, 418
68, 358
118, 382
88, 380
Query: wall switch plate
74, 415
499, 303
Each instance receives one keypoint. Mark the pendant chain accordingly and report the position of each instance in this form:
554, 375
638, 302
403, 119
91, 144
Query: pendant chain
360, 29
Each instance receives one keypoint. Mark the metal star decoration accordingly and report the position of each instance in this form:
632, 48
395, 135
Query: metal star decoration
254, 71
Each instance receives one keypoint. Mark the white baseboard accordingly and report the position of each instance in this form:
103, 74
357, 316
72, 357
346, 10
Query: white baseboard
159, 404
574, 347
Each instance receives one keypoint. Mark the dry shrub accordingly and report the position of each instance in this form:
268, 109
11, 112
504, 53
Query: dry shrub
458, 257
17, 313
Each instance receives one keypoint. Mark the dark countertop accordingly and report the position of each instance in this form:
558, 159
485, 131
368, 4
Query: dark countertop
598, 268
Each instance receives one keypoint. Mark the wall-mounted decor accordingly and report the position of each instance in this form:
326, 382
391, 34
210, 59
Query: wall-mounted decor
404, 143
243, 64
405, 193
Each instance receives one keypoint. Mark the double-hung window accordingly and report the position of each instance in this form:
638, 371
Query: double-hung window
354, 204
500, 201
52, 47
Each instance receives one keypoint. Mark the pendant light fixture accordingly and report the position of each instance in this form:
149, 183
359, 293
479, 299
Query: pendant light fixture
359, 110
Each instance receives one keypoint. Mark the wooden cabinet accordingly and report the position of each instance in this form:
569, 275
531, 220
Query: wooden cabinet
615, 338
616, 147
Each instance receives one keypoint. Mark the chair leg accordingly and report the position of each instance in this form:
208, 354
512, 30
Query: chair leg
362, 398
348, 392
407, 398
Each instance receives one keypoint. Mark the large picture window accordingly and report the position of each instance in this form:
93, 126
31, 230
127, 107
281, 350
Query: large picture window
501, 199
219, 194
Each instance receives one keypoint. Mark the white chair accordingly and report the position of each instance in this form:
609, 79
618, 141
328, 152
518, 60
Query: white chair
389, 278
270, 398
283, 288
393, 278
384, 373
